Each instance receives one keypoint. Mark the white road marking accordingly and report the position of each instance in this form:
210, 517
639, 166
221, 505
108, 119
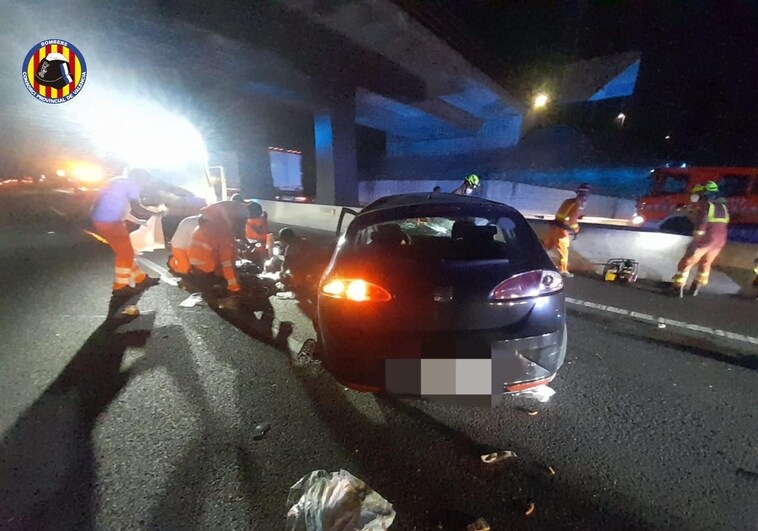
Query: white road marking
668, 322
164, 273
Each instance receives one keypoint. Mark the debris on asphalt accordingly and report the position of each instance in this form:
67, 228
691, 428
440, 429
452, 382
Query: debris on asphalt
305, 356
531, 412
496, 457
131, 311
480, 524
530, 510
551, 470
286, 295
661, 325
336, 501
229, 303
192, 301
543, 393
260, 431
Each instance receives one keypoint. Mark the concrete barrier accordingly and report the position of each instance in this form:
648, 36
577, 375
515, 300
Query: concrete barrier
656, 252
322, 217
527, 198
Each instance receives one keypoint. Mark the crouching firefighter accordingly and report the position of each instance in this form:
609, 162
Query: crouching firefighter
213, 251
711, 220
565, 224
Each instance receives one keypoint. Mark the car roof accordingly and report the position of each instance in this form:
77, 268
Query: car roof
431, 198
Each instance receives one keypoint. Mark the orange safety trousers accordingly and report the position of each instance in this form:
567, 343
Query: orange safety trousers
179, 261
558, 238
703, 256
213, 250
126, 271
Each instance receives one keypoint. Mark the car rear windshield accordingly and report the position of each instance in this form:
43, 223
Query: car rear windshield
451, 238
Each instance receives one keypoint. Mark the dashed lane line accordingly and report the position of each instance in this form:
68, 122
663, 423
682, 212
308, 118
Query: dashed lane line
653, 319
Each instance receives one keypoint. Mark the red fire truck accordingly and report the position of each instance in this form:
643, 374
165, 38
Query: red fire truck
667, 206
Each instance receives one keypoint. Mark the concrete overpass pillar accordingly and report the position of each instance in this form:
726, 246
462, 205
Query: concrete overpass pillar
336, 159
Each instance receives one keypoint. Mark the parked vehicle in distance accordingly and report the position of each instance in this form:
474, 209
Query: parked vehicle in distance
667, 206
461, 283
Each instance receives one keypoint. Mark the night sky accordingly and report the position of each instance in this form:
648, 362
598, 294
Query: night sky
699, 76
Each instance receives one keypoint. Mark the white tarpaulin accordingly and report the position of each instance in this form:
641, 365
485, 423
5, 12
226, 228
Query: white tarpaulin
149, 237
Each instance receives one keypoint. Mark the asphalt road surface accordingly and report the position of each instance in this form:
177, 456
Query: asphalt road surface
150, 424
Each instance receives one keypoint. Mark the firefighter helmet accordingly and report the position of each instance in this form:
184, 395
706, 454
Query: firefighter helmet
697, 189
473, 180
711, 187
54, 71
583, 189
254, 209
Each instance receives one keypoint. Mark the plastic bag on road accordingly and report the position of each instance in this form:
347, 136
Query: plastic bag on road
337, 501
192, 301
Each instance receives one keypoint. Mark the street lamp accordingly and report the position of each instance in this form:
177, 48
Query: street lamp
541, 101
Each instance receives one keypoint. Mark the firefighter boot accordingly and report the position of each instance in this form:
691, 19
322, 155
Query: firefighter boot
695, 289
678, 282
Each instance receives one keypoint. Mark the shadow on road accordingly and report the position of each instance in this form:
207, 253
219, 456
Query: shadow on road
47, 465
433, 474
192, 481
255, 316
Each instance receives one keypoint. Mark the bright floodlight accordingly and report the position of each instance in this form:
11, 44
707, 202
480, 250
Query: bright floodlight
60, 173
540, 101
145, 134
88, 173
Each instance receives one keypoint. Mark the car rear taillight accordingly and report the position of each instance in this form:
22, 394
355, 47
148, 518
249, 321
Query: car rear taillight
355, 290
526, 285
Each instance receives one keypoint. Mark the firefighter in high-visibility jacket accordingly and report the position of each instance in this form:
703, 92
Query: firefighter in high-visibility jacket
213, 246
711, 220
565, 224
213, 251
258, 234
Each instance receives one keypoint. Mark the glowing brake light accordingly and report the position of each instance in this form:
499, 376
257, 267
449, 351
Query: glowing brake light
527, 285
355, 290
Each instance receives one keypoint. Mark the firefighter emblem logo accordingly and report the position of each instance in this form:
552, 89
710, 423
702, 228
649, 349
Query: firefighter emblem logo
54, 71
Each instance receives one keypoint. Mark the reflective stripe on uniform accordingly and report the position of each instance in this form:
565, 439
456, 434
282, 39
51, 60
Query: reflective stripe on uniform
226, 263
202, 244
712, 218
196, 262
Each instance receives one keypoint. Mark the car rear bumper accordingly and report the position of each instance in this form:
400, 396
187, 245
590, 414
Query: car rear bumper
481, 364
